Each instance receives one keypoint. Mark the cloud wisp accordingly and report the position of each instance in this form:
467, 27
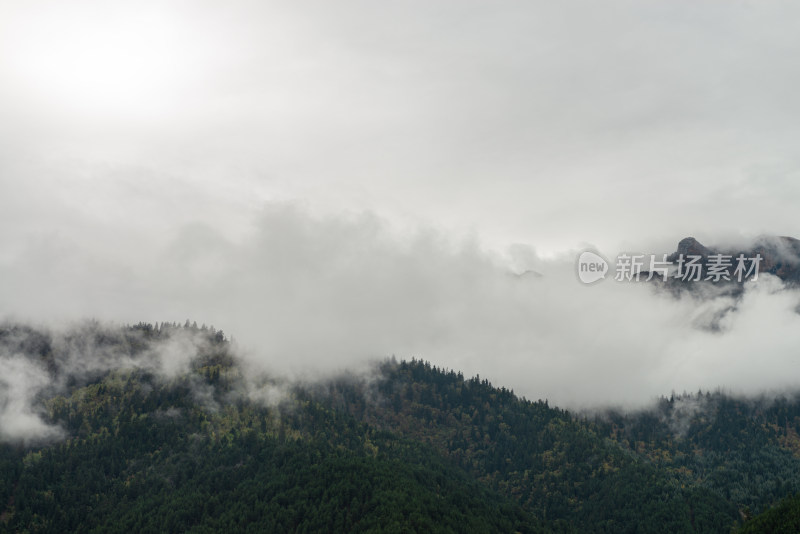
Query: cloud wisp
38, 363
308, 296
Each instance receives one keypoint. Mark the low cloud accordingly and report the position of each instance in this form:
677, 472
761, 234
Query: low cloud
308, 296
22, 380
37, 363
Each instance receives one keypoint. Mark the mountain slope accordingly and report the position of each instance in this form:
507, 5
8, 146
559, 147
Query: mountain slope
784, 518
154, 427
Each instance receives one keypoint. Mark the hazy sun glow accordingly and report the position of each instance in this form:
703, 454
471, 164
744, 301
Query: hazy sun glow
104, 61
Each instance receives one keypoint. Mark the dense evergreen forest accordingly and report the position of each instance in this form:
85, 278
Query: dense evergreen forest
156, 428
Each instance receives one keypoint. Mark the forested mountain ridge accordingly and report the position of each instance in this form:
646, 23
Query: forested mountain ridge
784, 518
134, 441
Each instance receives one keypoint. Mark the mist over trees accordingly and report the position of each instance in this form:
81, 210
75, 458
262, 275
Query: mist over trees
205, 444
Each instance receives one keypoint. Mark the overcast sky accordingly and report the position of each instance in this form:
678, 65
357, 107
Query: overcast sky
330, 182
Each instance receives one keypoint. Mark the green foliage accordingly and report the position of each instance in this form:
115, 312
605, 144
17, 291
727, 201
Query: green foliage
145, 455
417, 449
745, 450
782, 519
557, 466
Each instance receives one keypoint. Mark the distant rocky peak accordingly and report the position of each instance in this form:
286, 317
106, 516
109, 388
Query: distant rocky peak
780, 255
690, 246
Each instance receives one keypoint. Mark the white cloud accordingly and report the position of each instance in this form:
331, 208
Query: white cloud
21, 381
311, 296
464, 127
